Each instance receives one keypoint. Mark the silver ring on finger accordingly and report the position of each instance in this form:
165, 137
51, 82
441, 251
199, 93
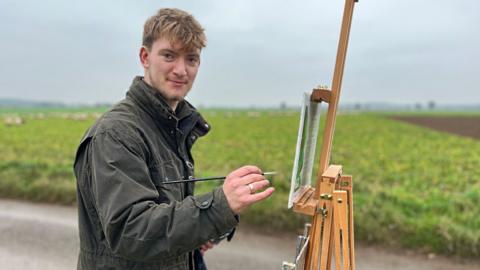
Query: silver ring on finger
250, 186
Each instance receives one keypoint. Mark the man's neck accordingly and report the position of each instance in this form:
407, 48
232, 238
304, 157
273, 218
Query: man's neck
172, 104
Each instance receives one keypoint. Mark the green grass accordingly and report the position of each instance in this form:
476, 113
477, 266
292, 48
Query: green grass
413, 187
36, 159
31, 111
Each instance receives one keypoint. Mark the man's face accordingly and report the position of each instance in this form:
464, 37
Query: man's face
170, 69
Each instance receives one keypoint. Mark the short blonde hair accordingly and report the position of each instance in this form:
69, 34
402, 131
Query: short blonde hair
175, 25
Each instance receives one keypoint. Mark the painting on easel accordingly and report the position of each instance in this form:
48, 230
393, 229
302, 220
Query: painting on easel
305, 149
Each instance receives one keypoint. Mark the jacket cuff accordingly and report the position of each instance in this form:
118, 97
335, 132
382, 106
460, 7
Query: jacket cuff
216, 206
229, 218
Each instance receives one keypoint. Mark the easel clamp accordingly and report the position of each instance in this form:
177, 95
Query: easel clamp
321, 95
307, 203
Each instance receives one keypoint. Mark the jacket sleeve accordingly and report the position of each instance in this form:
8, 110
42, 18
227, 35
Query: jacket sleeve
135, 226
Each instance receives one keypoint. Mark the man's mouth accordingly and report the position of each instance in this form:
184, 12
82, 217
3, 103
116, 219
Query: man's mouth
175, 82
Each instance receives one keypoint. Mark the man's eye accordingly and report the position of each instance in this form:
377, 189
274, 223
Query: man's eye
193, 60
168, 56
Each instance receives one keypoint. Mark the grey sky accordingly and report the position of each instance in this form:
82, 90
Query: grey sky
259, 52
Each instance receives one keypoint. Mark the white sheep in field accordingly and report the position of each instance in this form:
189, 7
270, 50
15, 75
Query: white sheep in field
14, 121
79, 116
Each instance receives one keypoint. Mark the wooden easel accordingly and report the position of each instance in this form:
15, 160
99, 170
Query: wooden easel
332, 228
330, 203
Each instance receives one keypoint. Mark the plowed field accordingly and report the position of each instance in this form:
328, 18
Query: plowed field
468, 126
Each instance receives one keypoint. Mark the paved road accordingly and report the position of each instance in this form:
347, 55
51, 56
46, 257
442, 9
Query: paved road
40, 236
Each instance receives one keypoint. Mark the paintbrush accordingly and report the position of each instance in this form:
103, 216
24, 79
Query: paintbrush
207, 179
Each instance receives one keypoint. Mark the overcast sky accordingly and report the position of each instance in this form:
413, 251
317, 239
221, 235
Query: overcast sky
259, 52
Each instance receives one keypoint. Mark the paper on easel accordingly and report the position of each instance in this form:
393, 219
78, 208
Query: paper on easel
305, 149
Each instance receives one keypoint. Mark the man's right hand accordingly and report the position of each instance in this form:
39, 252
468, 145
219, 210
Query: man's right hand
246, 186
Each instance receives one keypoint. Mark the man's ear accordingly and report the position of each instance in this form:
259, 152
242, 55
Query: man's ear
143, 54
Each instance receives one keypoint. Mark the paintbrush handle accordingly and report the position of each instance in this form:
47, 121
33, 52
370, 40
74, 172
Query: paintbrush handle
207, 179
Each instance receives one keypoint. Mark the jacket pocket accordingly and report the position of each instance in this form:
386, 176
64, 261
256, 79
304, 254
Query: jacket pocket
162, 173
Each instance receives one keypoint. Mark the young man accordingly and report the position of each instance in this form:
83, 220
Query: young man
128, 217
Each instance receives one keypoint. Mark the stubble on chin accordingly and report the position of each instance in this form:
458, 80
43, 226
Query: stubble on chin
169, 98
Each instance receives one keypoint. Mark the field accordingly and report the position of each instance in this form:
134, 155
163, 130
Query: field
468, 126
414, 187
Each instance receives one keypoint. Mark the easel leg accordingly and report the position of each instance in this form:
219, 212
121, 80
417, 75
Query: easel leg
342, 244
337, 237
314, 234
326, 215
321, 233
346, 184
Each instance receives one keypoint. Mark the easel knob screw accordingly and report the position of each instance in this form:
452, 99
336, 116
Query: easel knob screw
325, 196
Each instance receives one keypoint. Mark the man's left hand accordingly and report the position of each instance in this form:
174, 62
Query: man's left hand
206, 246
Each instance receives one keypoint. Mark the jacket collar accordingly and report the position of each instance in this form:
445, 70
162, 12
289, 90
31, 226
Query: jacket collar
151, 101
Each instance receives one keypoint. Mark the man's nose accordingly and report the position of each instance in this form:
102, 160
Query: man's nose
180, 68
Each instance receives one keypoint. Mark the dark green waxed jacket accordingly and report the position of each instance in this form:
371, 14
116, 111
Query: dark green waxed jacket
129, 219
